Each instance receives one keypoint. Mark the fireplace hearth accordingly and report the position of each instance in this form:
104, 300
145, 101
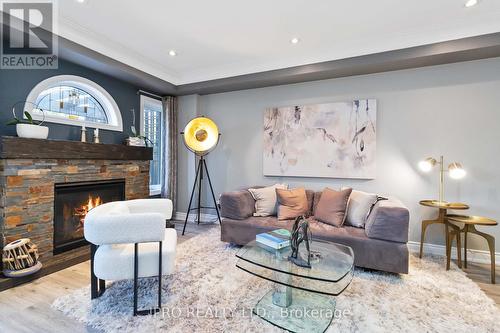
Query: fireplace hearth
72, 201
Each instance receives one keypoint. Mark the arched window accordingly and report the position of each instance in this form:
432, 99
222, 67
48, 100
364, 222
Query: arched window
74, 100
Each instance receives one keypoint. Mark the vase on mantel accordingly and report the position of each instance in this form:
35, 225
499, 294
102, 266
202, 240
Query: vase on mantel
26, 127
32, 131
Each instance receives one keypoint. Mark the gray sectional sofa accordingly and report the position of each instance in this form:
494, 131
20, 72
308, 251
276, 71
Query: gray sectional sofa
381, 245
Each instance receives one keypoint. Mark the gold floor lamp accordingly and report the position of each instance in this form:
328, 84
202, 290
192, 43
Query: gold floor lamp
455, 171
201, 136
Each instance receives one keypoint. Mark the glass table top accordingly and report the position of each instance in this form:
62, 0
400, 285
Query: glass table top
330, 273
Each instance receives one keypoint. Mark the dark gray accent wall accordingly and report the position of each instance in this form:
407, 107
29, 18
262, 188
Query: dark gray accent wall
15, 85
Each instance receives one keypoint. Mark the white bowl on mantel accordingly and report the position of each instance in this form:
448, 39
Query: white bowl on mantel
32, 131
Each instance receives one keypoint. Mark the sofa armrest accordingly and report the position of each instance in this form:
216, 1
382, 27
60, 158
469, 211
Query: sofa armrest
389, 220
237, 205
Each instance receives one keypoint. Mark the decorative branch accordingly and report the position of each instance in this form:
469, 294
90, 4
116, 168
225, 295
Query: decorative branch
327, 135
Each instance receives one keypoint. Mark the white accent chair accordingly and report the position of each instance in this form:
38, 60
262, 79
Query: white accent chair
129, 241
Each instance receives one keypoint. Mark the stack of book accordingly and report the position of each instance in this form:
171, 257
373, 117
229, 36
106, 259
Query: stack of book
276, 239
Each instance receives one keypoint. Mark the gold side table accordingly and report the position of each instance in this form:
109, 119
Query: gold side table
470, 223
442, 206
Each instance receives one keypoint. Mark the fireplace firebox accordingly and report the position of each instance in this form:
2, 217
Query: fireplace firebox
72, 202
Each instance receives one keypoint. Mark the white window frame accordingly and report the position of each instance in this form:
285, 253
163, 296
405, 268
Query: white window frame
107, 102
153, 189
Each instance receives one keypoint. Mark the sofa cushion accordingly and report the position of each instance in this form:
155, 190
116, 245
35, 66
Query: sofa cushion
388, 220
243, 232
292, 203
265, 199
358, 207
237, 205
368, 252
331, 208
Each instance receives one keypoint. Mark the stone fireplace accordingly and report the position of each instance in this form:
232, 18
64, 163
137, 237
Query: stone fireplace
72, 201
33, 173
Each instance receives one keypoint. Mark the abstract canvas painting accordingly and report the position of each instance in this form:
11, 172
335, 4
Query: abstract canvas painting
335, 140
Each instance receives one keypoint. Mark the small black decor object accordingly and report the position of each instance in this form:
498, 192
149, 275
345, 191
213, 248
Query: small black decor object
300, 233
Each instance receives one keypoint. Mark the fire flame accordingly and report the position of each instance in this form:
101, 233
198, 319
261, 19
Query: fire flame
93, 202
82, 211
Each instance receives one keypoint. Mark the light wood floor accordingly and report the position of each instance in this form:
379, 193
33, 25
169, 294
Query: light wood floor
27, 308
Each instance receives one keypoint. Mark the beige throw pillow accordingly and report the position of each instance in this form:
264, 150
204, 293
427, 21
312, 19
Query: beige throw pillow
265, 199
359, 206
292, 203
332, 206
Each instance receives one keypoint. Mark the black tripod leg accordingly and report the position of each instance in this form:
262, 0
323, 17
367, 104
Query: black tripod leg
191, 200
199, 187
212, 190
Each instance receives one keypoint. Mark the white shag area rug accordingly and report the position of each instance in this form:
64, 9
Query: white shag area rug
208, 293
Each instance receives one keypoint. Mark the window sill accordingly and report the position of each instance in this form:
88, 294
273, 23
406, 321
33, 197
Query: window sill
78, 123
154, 191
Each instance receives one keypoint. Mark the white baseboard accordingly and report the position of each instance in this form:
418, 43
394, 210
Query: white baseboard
475, 256
181, 216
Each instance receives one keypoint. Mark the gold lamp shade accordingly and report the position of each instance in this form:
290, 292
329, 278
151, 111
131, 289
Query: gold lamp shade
201, 135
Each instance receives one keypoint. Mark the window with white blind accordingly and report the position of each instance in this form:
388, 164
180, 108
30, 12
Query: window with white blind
152, 128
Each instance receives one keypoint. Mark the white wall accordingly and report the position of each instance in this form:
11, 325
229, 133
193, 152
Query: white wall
452, 110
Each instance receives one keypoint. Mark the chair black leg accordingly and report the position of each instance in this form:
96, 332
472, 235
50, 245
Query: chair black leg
97, 286
159, 274
136, 273
102, 287
136, 278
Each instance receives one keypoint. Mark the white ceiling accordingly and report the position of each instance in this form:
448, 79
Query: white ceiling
223, 38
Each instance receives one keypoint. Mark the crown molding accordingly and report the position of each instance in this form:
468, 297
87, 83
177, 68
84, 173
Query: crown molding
459, 50
93, 40
137, 72
86, 57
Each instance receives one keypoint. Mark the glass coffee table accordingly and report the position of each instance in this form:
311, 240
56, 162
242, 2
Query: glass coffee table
302, 298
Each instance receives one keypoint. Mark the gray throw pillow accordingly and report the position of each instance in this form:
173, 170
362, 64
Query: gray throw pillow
359, 207
265, 199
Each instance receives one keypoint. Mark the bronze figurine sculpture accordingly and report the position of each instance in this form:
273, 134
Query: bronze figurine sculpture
300, 233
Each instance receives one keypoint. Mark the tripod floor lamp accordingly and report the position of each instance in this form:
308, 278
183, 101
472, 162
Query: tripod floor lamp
201, 136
